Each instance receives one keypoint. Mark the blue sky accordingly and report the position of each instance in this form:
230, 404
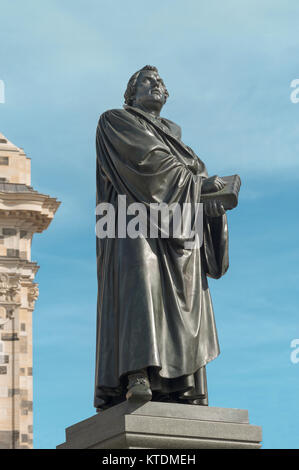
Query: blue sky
228, 67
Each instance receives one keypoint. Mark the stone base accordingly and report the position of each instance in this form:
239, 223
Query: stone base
157, 425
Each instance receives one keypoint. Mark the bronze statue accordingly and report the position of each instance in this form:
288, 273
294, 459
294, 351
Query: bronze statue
155, 326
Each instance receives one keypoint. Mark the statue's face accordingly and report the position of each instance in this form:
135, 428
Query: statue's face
150, 92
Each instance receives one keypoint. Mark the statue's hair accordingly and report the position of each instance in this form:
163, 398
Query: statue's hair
131, 87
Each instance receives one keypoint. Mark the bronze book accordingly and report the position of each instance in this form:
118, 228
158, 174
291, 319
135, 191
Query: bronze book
228, 195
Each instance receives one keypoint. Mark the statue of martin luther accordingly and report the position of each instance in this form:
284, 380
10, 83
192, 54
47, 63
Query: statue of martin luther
155, 325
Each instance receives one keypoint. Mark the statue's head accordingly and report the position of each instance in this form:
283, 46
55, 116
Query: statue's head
146, 89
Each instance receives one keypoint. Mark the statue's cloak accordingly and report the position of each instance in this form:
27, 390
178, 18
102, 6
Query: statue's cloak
154, 305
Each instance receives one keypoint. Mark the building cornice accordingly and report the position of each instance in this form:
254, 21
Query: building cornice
36, 209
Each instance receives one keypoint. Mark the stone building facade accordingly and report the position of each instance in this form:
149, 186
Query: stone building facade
23, 212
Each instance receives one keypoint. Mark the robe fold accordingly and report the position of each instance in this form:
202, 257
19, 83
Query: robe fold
154, 305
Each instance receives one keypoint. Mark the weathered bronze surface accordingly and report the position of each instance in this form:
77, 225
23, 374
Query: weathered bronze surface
154, 307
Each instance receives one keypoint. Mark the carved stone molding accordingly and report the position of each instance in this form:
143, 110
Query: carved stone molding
9, 289
6, 314
35, 209
32, 294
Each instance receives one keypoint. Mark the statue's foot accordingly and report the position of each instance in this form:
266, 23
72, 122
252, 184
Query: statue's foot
139, 388
202, 401
198, 401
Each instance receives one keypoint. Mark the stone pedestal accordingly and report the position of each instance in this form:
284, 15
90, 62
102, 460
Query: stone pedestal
156, 425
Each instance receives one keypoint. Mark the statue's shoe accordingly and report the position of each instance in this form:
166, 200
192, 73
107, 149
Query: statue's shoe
139, 390
202, 401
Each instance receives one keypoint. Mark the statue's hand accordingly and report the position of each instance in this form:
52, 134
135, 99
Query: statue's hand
214, 208
212, 184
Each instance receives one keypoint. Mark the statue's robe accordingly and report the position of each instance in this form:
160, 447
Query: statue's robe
154, 305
